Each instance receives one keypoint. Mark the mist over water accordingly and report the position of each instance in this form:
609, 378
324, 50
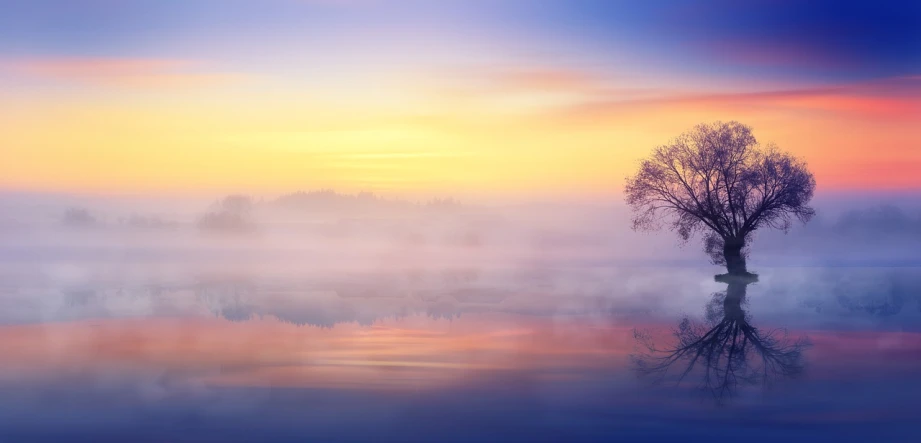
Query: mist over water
344, 318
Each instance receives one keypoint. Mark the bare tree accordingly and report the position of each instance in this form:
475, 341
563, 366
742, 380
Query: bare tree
717, 179
727, 351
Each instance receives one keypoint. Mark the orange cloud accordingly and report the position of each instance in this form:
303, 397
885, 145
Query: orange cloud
858, 136
856, 100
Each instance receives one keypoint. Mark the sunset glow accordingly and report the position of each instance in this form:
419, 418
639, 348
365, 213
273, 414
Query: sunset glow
170, 101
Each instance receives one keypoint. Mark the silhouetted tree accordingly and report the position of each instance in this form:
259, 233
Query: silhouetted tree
716, 178
728, 350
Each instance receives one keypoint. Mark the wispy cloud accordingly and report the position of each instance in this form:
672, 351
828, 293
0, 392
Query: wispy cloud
119, 72
896, 98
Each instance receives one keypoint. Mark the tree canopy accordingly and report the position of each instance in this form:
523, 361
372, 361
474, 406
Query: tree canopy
717, 178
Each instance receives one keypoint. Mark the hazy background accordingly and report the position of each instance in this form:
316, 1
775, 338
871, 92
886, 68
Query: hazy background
324, 257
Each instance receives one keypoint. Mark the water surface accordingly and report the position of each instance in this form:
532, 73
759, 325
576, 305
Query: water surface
454, 354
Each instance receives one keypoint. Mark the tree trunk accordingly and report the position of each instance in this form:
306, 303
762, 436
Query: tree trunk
732, 252
735, 295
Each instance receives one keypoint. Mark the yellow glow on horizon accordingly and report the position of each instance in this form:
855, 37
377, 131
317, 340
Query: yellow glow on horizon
539, 138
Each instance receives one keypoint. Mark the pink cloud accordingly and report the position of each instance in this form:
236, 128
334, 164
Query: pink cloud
895, 99
118, 72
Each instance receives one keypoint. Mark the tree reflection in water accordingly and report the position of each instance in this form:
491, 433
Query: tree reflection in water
727, 351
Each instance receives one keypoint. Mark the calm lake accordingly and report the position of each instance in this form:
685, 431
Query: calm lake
565, 353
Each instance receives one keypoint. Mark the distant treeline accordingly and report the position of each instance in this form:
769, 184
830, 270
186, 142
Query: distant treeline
886, 220
235, 212
870, 234
328, 199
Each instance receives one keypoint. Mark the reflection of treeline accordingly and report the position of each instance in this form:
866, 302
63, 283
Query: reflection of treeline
244, 301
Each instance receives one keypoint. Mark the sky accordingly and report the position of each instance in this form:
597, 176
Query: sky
467, 98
